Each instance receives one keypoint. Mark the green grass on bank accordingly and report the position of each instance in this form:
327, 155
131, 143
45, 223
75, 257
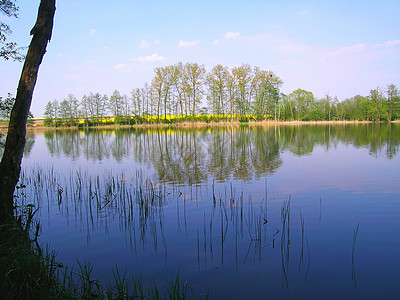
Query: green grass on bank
26, 272
29, 272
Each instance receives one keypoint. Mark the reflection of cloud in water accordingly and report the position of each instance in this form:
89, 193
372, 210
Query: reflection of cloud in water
387, 191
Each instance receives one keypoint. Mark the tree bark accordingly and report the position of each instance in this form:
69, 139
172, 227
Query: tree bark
10, 165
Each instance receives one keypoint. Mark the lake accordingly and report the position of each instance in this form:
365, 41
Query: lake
241, 212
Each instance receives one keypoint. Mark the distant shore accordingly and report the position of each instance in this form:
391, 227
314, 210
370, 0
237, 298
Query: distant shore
37, 124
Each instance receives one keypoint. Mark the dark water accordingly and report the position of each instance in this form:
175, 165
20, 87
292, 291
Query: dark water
307, 212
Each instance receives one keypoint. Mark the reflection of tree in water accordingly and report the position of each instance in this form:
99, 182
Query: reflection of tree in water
240, 154
93, 145
243, 152
120, 145
71, 145
52, 143
30, 140
383, 136
96, 145
63, 142
376, 137
393, 141
188, 155
298, 140
177, 156
219, 163
266, 157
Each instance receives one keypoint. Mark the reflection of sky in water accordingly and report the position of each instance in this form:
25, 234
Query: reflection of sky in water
344, 168
333, 190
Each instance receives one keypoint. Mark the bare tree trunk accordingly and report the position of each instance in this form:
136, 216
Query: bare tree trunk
10, 165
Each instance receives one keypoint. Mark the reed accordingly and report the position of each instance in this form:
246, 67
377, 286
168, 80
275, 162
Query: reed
302, 240
285, 242
29, 272
353, 271
26, 271
137, 203
110, 194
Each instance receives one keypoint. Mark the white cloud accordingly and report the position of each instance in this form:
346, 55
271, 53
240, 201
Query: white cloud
65, 55
187, 44
357, 48
345, 71
388, 44
121, 67
150, 58
92, 31
231, 35
144, 44
227, 36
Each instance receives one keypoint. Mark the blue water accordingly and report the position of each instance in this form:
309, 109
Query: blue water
217, 217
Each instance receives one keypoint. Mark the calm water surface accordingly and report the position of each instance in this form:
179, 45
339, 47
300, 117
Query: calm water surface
241, 212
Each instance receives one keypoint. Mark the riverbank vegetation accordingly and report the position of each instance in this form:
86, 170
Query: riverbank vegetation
29, 272
187, 92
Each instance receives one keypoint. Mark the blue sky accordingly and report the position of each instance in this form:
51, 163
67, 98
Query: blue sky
342, 48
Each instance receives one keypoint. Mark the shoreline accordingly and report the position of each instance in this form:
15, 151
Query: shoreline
38, 124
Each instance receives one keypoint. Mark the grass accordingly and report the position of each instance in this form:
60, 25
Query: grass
137, 202
353, 272
26, 271
285, 242
29, 272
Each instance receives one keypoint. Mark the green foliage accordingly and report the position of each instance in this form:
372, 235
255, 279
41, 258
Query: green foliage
301, 102
9, 50
48, 122
26, 271
115, 105
6, 106
393, 102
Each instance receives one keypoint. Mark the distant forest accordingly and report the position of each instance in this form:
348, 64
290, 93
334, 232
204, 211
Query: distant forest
180, 92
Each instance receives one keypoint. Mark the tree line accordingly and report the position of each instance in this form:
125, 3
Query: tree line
187, 92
